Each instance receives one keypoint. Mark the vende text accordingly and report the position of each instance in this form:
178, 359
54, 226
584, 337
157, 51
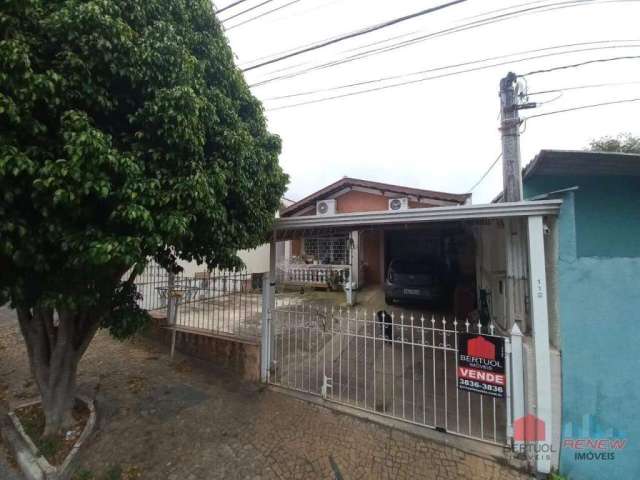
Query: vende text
481, 376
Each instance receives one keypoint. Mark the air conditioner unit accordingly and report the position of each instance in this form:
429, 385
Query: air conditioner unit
398, 204
326, 207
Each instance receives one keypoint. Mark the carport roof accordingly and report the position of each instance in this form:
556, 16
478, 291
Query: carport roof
415, 216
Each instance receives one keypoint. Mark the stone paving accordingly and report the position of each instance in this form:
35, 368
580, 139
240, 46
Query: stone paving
7, 470
186, 420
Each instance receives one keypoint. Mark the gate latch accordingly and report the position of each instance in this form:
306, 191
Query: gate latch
327, 383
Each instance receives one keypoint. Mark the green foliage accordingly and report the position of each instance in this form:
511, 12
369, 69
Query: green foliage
83, 474
49, 446
557, 476
625, 143
113, 473
333, 281
126, 132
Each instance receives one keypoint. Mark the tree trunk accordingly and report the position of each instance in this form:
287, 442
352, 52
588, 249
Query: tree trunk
54, 349
58, 397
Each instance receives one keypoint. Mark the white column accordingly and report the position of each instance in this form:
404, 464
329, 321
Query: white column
286, 260
540, 324
355, 259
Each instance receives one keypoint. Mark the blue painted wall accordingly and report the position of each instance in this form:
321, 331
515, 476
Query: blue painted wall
599, 306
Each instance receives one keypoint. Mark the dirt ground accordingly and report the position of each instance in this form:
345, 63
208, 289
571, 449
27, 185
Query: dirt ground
183, 419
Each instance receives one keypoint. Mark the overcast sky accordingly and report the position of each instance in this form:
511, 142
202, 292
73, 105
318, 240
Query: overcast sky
440, 134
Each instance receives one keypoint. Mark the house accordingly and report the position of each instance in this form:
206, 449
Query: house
398, 359
359, 255
393, 360
596, 251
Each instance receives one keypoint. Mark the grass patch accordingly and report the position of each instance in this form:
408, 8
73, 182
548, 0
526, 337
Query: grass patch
113, 473
83, 475
54, 448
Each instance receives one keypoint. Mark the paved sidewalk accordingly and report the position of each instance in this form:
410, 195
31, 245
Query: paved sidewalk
185, 420
7, 317
7, 471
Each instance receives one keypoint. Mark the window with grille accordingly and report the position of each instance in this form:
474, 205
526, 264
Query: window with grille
328, 250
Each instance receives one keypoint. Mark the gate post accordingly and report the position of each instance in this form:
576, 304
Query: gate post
517, 383
265, 344
170, 286
268, 306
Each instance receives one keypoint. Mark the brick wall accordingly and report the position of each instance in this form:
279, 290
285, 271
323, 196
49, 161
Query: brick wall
239, 356
355, 201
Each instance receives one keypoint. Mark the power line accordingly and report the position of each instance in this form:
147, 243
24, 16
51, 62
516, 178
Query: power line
388, 48
575, 65
377, 42
447, 31
246, 10
290, 67
583, 107
504, 9
436, 34
357, 33
471, 62
273, 10
230, 6
583, 87
410, 82
484, 175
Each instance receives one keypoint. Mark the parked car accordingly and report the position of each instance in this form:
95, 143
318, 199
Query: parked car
423, 281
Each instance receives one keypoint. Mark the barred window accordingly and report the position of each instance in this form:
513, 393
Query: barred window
328, 250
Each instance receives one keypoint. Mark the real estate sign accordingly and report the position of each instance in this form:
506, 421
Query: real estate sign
481, 364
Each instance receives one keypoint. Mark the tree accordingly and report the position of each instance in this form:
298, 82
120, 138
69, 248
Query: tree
625, 143
126, 133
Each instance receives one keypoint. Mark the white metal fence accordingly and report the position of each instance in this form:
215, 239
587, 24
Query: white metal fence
220, 302
401, 366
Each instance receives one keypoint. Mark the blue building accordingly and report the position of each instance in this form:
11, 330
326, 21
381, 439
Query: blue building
597, 283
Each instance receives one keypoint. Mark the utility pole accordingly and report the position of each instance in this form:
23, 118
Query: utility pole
515, 261
517, 292
510, 130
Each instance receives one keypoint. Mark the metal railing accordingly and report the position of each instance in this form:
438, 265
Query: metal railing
217, 302
402, 365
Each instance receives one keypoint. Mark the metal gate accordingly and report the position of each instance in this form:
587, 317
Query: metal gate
403, 368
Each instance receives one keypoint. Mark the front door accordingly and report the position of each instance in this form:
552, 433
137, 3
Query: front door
371, 257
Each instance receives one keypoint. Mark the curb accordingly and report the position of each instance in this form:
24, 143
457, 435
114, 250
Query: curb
33, 465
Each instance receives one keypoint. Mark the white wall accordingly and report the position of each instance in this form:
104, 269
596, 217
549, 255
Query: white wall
256, 260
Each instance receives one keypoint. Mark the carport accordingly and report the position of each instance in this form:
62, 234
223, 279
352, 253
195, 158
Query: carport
478, 241
500, 252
